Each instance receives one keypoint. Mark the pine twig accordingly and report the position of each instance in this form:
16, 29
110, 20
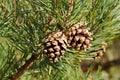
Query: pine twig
25, 67
70, 4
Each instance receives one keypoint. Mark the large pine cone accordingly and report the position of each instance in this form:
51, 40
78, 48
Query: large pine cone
55, 45
79, 37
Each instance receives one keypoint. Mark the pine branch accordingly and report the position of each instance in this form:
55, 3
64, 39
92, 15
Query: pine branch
105, 65
25, 67
33, 18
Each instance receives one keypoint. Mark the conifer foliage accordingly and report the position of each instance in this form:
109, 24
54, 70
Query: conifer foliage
35, 32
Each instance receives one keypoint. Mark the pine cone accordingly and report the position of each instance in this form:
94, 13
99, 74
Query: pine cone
79, 37
55, 45
100, 52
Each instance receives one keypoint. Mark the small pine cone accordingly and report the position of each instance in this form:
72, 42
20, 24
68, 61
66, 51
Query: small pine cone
55, 45
79, 37
100, 52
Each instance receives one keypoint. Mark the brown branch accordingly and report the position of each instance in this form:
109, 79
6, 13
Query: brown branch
105, 65
23, 68
109, 64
